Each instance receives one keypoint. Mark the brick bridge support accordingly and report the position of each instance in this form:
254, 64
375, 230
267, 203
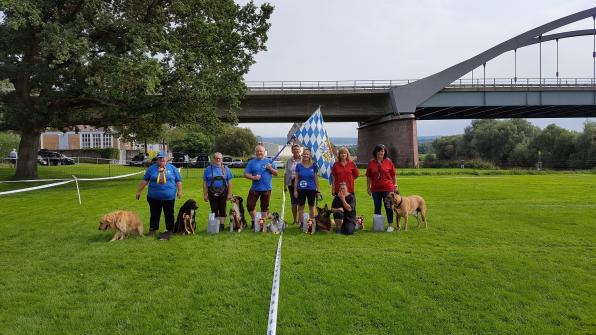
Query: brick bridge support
398, 134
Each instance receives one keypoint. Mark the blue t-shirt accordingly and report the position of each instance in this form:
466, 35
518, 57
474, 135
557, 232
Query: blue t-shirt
306, 176
213, 171
167, 190
255, 167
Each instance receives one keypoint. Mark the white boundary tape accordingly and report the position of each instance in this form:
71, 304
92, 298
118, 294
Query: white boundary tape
36, 187
65, 181
272, 322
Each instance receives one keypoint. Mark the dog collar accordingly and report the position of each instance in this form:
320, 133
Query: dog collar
400, 201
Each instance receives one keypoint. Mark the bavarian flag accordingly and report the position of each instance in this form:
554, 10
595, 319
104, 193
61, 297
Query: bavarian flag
312, 134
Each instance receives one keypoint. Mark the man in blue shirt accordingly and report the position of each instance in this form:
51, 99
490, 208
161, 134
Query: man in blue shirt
165, 183
260, 171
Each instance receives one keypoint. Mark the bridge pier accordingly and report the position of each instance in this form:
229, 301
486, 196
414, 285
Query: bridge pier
397, 133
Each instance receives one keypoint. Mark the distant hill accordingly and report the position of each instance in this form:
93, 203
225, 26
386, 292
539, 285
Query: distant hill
338, 141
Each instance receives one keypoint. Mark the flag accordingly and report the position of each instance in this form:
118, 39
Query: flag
312, 134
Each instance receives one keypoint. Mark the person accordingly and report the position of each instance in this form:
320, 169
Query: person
343, 207
165, 183
260, 171
289, 175
380, 180
306, 185
344, 171
217, 187
13, 156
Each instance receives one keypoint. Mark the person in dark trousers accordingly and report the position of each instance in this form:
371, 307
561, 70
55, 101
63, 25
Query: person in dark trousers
380, 180
217, 187
289, 175
344, 210
165, 183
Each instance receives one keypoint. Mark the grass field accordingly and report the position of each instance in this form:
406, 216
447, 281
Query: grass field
504, 254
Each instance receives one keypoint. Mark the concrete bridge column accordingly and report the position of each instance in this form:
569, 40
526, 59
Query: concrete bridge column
398, 134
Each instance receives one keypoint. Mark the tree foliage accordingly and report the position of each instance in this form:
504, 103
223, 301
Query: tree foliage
191, 140
236, 142
123, 63
516, 142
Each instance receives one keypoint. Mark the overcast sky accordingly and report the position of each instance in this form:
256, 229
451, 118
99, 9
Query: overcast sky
405, 39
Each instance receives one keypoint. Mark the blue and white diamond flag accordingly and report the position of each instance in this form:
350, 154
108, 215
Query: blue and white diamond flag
312, 134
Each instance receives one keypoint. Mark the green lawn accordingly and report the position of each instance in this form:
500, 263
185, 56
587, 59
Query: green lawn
504, 254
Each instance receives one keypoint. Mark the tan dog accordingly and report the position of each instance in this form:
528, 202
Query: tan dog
405, 206
189, 228
123, 222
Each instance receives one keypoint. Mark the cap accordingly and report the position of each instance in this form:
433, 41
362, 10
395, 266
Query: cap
161, 154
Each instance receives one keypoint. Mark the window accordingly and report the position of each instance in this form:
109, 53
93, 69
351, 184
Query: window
96, 140
85, 140
107, 140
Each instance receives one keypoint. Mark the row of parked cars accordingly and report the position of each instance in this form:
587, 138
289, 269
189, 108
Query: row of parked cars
200, 161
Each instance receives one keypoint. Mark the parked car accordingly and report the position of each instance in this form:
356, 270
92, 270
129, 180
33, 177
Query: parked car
139, 160
201, 161
181, 159
41, 161
55, 158
237, 163
227, 160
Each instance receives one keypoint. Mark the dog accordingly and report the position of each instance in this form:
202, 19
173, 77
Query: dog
185, 221
261, 224
276, 225
323, 218
123, 222
237, 219
360, 222
405, 206
309, 227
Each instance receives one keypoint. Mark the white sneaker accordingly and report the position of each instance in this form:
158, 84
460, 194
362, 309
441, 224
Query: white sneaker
390, 229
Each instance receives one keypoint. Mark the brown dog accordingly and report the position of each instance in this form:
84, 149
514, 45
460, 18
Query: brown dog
360, 222
323, 219
123, 222
404, 206
189, 228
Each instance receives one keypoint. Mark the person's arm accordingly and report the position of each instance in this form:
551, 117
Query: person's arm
345, 204
393, 177
140, 188
317, 182
333, 178
248, 173
368, 184
230, 177
355, 170
296, 185
287, 174
205, 194
179, 188
272, 169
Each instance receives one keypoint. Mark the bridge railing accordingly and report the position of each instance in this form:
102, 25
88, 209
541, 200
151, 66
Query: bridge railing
381, 85
521, 82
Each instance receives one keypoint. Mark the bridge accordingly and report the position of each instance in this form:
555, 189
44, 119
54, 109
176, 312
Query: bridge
387, 110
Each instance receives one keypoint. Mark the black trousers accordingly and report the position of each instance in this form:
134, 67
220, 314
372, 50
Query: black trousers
156, 206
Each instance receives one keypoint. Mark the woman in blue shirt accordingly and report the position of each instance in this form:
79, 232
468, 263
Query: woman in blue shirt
306, 185
217, 187
165, 183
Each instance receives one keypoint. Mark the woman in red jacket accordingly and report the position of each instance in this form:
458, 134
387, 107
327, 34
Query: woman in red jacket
380, 180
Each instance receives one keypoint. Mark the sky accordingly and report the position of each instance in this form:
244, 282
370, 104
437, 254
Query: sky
405, 39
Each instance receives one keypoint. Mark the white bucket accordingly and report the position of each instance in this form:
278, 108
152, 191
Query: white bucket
378, 222
213, 224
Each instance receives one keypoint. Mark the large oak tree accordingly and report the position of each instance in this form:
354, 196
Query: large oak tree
128, 63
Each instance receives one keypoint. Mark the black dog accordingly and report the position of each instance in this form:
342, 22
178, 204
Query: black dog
185, 223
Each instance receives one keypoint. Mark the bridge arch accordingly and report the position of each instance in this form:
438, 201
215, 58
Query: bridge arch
406, 98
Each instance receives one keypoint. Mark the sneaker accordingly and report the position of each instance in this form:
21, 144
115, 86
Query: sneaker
390, 229
165, 236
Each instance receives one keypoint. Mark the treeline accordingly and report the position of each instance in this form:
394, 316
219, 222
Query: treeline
515, 143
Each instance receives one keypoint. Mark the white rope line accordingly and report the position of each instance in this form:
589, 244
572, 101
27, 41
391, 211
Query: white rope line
67, 181
36, 187
32, 180
272, 322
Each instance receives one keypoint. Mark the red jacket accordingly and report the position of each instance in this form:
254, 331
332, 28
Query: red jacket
345, 174
381, 175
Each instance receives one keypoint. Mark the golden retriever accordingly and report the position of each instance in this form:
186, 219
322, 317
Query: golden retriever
123, 222
404, 206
